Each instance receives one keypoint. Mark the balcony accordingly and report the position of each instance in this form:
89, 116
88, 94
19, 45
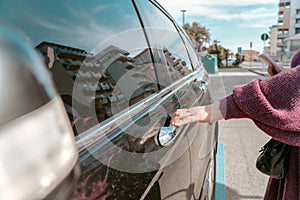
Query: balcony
282, 44
282, 35
280, 52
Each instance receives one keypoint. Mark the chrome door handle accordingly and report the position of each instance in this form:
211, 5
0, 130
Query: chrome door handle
165, 136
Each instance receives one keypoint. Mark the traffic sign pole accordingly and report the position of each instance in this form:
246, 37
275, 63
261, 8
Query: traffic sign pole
264, 37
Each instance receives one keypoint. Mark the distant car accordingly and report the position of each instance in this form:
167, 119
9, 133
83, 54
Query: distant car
230, 61
121, 68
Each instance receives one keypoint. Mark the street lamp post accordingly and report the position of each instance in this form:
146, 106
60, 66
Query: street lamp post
183, 11
250, 54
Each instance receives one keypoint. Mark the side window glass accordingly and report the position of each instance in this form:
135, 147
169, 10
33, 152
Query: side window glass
196, 62
97, 53
165, 39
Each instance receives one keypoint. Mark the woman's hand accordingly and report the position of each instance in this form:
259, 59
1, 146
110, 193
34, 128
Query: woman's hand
209, 113
273, 71
185, 116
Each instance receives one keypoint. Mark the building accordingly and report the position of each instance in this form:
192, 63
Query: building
273, 41
282, 43
293, 41
250, 55
104, 83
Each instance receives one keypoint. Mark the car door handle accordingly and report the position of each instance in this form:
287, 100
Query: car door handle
165, 136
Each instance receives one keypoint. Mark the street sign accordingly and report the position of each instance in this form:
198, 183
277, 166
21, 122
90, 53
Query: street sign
264, 36
239, 50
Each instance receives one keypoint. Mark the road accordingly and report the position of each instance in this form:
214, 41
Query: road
241, 140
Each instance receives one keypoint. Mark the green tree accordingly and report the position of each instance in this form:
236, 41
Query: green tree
239, 59
217, 49
198, 34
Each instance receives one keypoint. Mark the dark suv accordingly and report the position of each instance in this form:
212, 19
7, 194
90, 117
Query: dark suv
121, 69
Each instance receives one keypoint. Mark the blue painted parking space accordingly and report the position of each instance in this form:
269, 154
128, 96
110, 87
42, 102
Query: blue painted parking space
220, 174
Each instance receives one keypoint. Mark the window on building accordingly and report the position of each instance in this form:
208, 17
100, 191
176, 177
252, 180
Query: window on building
297, 30
298, 11
297, 21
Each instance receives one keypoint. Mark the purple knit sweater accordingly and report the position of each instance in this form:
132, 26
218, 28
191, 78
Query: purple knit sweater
274, 106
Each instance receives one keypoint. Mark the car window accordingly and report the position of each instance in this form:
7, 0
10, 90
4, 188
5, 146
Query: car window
166, 42
97, 53
193, 56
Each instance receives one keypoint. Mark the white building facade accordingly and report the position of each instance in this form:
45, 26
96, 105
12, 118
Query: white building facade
283, 34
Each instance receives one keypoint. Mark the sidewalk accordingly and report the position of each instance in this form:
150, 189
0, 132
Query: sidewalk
259, 68
259, 71
239, 144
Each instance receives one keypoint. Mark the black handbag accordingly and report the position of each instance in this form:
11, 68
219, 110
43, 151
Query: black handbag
274, 159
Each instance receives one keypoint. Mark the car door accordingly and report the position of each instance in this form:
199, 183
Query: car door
177, 63
120, 158
204, 146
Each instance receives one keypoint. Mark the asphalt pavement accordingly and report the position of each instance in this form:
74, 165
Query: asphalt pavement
240, 140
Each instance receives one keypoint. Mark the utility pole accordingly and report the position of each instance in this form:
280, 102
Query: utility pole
183, 11
250, 54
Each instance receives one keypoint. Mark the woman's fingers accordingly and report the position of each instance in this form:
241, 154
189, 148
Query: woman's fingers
272, 70
177, 118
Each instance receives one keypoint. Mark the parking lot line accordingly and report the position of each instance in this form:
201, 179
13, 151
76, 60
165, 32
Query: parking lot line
220, 175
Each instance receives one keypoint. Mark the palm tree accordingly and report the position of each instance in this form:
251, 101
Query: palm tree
198, 34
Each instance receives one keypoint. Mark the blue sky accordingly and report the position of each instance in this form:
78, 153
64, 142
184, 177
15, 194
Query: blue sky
235, 23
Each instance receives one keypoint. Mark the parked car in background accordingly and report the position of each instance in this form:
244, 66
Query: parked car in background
122, 68
229, 62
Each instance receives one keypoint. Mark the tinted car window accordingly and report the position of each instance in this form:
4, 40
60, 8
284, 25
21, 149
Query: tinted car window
97, 68
166, 42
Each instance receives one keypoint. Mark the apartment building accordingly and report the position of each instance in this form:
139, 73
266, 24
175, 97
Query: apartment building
273, 41
285, 36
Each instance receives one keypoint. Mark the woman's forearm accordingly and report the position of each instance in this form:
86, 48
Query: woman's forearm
213, 113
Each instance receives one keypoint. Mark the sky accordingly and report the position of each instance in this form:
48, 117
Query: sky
235, 23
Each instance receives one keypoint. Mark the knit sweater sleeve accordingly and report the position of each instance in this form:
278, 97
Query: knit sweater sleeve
273, 104
230, 109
